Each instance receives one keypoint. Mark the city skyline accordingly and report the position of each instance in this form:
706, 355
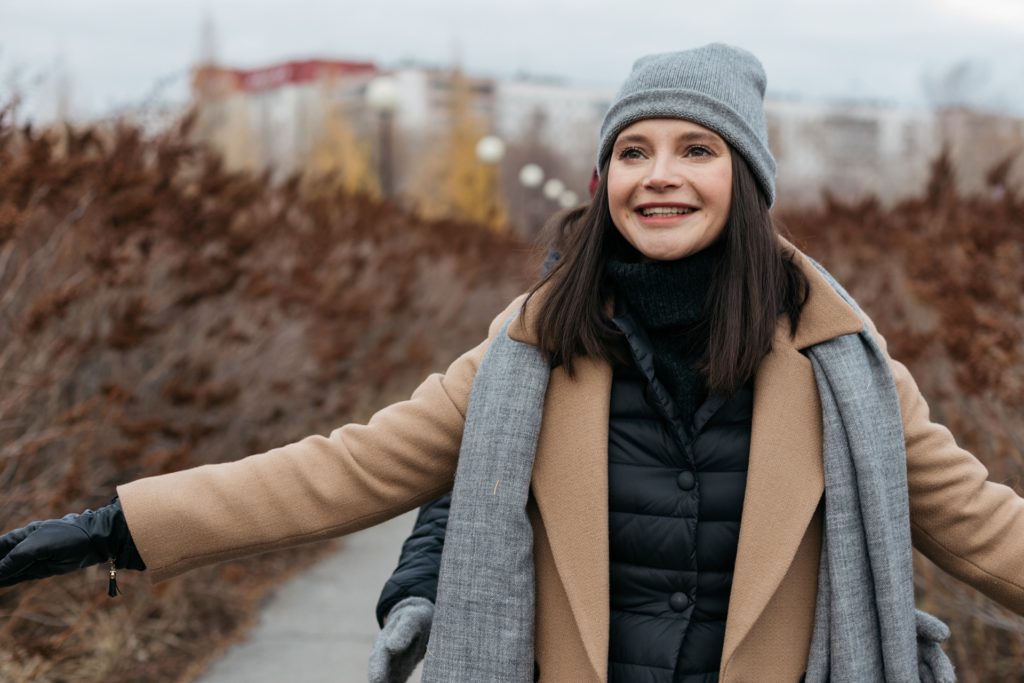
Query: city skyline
114, 57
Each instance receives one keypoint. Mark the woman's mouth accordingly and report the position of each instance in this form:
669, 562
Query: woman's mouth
649, 212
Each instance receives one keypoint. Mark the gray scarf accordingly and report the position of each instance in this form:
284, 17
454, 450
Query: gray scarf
866, 627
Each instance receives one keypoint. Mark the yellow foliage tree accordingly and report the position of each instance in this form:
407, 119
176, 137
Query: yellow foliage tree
340, 157
453, 183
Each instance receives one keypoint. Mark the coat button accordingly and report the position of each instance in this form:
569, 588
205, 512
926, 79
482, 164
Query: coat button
686, 480
679, 601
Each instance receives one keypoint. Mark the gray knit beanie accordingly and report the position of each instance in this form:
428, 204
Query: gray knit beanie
717, 86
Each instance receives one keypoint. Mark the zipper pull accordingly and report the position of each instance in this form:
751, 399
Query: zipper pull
112, 590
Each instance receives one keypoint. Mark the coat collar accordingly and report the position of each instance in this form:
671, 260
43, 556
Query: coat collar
784, 484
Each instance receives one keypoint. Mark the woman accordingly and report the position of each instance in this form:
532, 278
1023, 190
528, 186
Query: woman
684, 456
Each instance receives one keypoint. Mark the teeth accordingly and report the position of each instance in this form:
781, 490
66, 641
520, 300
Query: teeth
665, 211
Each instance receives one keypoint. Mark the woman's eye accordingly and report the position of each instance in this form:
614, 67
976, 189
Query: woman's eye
699, 151
630, 153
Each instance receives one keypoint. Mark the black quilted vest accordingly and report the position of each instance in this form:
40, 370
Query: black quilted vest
675, 496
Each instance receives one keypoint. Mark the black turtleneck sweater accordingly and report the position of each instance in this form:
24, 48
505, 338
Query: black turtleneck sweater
668, 299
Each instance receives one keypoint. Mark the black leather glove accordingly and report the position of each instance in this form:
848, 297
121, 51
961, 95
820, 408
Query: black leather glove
58, 546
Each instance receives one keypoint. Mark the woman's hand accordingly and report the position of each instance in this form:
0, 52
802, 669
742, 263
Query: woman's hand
58, 546
402, 642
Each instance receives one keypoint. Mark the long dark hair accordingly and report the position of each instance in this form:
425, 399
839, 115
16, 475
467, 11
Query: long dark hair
755, 281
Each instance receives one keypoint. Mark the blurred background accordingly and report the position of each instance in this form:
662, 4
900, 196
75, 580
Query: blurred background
395, 96
226, 225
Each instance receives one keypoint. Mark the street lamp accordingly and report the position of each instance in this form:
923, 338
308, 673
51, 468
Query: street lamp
553, 189
382, 96
530, 177
490, 150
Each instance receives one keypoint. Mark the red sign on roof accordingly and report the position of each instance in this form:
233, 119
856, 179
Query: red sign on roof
279, 75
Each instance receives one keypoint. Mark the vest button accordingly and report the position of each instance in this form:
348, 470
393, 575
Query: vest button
686, 480
678, 602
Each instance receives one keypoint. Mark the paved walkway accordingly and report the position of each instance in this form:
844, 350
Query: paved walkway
319, 627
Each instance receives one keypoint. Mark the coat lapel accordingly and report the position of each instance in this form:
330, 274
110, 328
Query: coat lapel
785, 479
570, 485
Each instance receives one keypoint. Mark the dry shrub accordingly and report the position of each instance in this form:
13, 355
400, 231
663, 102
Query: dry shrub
942, 277
159, 313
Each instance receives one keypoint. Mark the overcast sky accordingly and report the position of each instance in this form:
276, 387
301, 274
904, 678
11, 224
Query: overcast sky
117, 53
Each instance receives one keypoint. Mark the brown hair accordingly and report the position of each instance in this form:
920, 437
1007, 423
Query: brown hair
755, 281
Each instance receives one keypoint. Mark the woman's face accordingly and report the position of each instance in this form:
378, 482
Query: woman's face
669, 187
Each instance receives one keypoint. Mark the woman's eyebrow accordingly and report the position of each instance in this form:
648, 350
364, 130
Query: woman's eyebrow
632, 137
700, 136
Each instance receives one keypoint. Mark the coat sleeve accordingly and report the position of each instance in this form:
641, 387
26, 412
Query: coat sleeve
969, 526
316, 488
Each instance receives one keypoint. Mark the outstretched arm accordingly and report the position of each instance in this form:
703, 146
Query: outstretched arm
316, 488
971, 527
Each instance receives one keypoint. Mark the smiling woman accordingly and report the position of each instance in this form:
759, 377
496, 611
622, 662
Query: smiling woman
684, 456
714, 446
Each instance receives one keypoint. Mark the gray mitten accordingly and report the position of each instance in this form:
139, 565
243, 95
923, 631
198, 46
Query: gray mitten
402, 642
932, 663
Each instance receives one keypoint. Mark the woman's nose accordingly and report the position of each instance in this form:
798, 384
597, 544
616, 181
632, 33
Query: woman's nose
664, 173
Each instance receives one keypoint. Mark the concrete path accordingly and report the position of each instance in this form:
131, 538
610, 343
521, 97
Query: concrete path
319, 627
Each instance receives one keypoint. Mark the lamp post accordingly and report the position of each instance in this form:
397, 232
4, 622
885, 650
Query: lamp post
530, 177
568, 199
553, 189
490, 150
382, 96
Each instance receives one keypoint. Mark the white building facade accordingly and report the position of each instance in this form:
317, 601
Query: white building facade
273, 117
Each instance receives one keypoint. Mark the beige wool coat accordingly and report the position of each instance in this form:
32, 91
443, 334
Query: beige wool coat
360, 475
